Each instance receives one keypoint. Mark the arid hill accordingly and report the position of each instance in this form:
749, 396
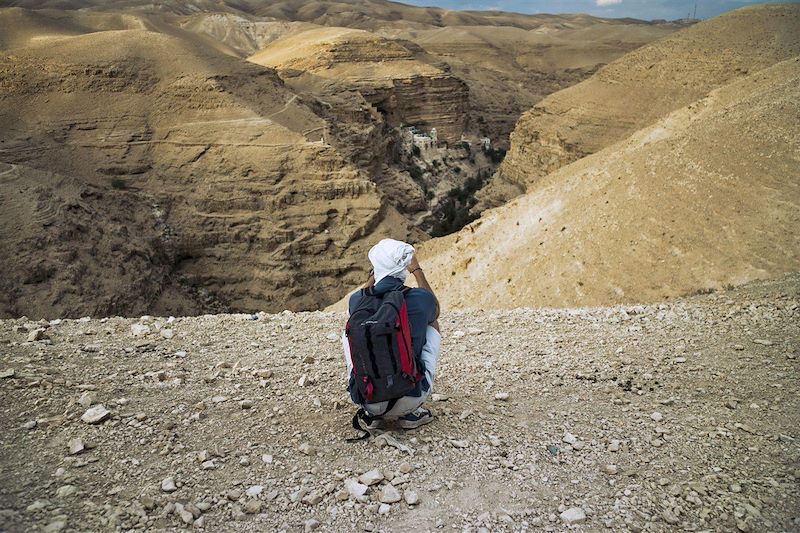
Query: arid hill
641, 87
250, 204
509, 61
404, 89
705, 198
251, 189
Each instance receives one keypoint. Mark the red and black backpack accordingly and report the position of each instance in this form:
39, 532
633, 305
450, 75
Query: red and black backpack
379, 335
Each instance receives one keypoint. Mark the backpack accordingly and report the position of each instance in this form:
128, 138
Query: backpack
379, 336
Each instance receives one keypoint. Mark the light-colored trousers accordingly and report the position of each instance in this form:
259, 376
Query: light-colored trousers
406, 404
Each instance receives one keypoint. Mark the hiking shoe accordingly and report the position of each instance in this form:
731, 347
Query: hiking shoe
418, 417
372, 422
375, 422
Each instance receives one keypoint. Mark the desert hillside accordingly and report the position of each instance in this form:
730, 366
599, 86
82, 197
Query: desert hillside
224, 164
706, 197
681, 415
58, 214
641, 87
251, 188
384, 72
184, 185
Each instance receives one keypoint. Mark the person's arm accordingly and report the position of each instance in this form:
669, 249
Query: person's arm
370, 280
422, 283
430, 352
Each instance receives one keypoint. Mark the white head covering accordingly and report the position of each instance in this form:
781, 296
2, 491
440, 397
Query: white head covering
391, 258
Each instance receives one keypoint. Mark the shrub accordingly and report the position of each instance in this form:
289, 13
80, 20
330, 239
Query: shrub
497, 155
454, 213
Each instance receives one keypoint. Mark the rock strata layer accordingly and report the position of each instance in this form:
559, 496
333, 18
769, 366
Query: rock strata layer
236, 203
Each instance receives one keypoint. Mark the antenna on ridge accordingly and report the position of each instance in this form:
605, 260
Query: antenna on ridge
694, 17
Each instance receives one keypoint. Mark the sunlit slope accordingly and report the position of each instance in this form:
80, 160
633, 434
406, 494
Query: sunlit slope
641, 87
707, 197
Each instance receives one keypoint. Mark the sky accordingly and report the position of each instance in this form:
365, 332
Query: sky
641, 9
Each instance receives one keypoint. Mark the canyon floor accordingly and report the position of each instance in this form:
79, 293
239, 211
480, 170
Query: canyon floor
675, 416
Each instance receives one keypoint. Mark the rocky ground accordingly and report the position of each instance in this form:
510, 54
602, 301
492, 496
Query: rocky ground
677, 416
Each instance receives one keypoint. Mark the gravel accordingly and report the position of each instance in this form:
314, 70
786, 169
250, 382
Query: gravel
576, 434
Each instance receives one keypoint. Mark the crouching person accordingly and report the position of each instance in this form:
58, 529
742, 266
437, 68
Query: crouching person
392, 341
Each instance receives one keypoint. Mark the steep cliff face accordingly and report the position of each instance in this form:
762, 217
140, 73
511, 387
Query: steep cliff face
642, 86
427, 101
389, 76
257, 211
704, 198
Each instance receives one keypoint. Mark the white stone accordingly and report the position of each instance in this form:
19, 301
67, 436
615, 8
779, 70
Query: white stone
569, 438
411, 497
502, 396
355, 488
36, 335
55, 527
370, 478
167, 333
86, 399
96, 414
609, 469
389, 494
66, 491
75, 446
658, 417
168, 485
254, 491
307, 449
36, 506
139, 330
574, 515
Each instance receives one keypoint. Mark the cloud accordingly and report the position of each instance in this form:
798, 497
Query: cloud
603, 3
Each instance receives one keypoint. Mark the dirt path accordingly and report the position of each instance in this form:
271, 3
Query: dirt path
679, 416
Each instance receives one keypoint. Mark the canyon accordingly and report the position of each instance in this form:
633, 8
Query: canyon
243, 176
607, 210
705, 197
